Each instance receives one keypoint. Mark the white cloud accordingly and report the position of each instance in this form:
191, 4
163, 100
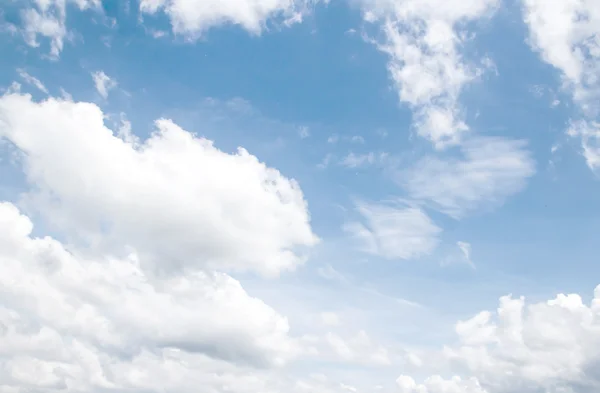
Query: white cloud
491, 170
423, 39
72, 323
437, 384
352, 160
566, 34
176, 199
589, 132
32, 80
103, 83
47, 18
194, 17
550, 346
115, 305
394, 231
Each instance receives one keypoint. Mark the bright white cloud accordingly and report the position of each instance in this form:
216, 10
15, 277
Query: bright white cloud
175, 199
566, 34
78, 324
114, 305
103, 83
423, 39
491, 170
437, 384
35, 82
550, 346
47, 18
394, 231
194, 17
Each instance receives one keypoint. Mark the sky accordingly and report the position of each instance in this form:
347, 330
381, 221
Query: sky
294, 196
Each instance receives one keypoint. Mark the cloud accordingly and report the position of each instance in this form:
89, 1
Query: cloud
549, 346
115, 305
32, 80
192, 18
422, 40
47, 18
566, 34
437, 384
491, 170
176, 199
352, 160
72, 323
394, 231
103, 83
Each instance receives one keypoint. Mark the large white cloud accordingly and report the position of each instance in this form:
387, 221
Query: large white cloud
56, 304
175, 198
193, 17
550, 347
423, 41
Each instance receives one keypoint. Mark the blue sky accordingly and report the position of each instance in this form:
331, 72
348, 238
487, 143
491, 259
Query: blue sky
445, 156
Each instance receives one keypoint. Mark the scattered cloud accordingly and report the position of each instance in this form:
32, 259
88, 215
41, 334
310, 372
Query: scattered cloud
567, 36
103, 83
491, 170
423, 40
47, 19
363, 160
192, 18
303, 132
589, 132
35, 82
465, 248
393, 231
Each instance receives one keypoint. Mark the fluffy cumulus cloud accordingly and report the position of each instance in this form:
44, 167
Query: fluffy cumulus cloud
191, 18
423, 40
393, 231
113, 309
175, 198
114, 305
489, 171
566, 34
549, 347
